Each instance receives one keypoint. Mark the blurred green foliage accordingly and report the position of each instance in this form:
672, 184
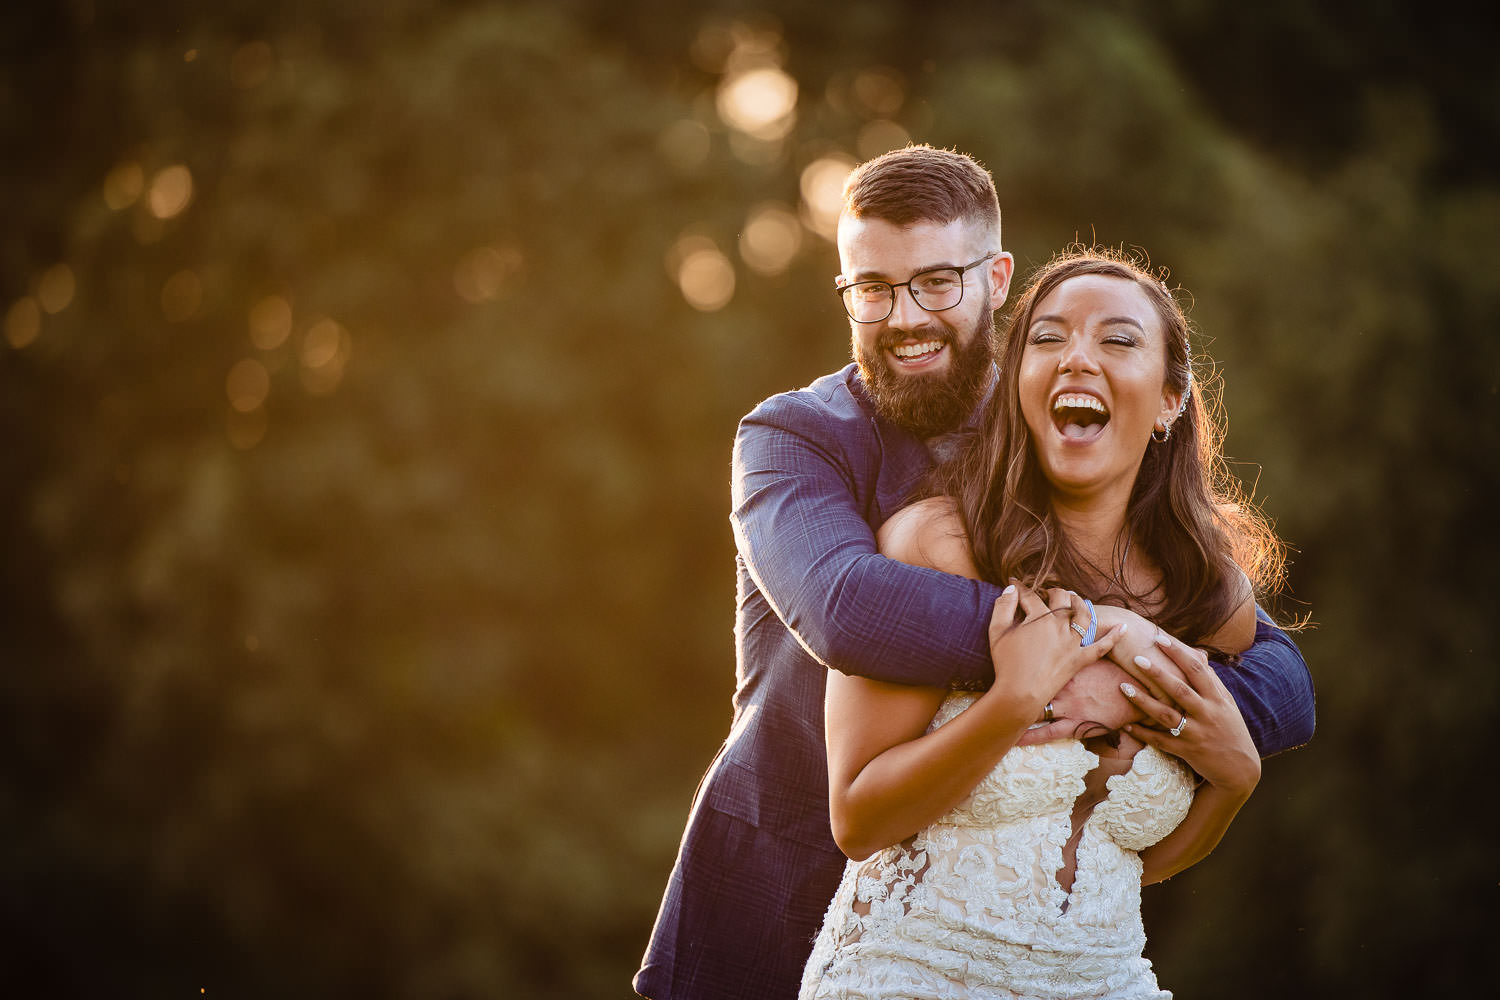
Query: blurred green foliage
368, 587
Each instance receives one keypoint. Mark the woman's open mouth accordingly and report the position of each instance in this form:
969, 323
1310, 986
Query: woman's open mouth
1079, 416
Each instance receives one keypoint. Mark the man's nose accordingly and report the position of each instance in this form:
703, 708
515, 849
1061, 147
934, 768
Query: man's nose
905, 313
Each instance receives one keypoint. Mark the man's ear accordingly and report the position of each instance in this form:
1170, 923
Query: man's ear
1001, 268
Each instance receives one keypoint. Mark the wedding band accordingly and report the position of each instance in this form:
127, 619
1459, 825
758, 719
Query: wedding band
1047, 715
1180, 726
1082, 634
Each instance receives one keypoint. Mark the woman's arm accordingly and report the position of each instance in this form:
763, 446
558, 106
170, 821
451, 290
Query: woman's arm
887, 776
1211, 738
1238, 633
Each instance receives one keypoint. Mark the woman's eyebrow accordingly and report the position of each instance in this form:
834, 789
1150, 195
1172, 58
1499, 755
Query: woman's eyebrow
1111, 321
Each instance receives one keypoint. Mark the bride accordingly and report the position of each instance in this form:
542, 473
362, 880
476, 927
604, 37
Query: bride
985, 868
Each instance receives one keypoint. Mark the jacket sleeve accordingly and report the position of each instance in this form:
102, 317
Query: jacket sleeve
1273, 688
808, 548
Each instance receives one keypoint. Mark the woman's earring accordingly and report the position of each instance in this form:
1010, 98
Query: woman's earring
1161, 433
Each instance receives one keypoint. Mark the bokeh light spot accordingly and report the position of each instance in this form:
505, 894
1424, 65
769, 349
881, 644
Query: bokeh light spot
247, 385
55, 291
171, 191
181, 296
481, 274
879, 91
772, 237
270, 322
321, 345
123, 185
822, 184
760, 102
325, 351
702, 272
23, 322
879, 137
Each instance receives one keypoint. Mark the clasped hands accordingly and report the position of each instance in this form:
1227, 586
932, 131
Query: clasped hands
1133, 685
1038, 658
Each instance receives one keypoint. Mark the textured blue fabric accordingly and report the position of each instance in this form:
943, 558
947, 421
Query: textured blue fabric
814, 474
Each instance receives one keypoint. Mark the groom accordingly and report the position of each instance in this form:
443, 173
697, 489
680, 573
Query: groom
815, 472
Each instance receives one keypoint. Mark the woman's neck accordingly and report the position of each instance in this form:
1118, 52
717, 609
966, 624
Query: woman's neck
1094, 530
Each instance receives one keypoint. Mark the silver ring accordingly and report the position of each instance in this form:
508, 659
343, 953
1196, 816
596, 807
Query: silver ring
1079, 629
1180, 726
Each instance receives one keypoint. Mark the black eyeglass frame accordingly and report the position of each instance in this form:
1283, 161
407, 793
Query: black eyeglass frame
839, 289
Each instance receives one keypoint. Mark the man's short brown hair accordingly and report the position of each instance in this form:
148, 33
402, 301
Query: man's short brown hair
920, 183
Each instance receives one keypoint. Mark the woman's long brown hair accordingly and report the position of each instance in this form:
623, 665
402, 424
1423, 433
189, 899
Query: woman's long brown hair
1187, 514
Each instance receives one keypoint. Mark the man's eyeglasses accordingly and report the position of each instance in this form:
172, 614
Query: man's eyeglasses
935, 290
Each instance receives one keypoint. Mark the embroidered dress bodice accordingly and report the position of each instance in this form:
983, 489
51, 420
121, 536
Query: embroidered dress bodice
972, 906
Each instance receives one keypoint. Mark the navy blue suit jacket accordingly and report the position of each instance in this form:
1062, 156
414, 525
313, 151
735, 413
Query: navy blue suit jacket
815, 473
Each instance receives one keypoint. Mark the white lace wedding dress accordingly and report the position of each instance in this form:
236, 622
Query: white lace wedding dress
971, 906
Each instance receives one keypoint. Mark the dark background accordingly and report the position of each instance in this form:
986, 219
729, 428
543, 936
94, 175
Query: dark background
367, 581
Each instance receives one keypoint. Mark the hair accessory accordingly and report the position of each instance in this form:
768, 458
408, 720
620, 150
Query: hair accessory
1180, 726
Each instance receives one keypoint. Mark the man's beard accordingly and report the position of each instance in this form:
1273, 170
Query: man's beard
928, 405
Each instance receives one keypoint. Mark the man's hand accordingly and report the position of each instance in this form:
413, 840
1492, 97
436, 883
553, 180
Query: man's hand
1090, 704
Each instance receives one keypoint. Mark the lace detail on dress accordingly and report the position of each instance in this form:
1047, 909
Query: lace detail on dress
971, 906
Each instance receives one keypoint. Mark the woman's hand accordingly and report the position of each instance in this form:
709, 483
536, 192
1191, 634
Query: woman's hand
1192, 716
1036, 656
1210, 737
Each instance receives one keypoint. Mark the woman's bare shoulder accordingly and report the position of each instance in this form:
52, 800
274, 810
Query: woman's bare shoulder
929, 533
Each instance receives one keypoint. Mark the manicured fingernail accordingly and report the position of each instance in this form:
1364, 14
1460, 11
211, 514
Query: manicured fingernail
1142, 662
1162, 639
1129, 690
1008, 591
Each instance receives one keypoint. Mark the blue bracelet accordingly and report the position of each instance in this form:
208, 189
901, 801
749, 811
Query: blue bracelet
1093, 629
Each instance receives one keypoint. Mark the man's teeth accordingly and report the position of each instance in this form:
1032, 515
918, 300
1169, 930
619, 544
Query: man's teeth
916, 350
1078, 401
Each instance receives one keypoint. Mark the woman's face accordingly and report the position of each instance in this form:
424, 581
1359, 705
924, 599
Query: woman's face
1092, 383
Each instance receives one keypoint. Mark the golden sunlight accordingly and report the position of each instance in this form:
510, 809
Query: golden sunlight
55, 291
880, 136
270, 322
760, 102
247, 385
878, 91
123, 185
702, 272
822, 185
23, 322
325, 352
171, 191
772, 237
